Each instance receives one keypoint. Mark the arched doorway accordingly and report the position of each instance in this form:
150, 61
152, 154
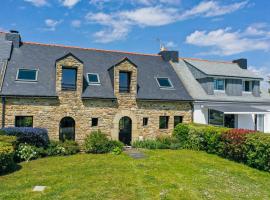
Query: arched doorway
125, 127
67, 129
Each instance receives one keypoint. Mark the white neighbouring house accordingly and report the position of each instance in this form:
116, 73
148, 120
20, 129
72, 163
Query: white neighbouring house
225, 93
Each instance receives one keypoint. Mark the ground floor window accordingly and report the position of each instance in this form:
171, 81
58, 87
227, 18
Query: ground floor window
216, 118
24, 121
67, 129
178, 120
163, 122
145, 121
94, 122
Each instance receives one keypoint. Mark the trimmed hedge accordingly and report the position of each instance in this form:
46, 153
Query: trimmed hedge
6, 153
33, 136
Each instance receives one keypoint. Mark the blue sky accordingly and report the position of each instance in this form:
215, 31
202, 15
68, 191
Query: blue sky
208, 29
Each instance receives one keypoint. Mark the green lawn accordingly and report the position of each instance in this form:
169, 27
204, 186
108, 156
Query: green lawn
164, 174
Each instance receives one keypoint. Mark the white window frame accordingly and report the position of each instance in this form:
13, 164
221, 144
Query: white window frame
243, 86
224, 81
93, 83
26, 80
164, 87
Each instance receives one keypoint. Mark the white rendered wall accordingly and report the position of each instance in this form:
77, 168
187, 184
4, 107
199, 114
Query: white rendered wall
200, 115
267, 123
246, 121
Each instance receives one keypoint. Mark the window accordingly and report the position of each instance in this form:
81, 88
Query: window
23, 121
69, 78
94, 122
178, 120
93, 79
216, 118
163, 122
219, 84
145, 121
26, 75
247, 86
164, 83
124, 83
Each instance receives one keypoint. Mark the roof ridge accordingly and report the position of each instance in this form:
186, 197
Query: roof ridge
83, 48
204, 60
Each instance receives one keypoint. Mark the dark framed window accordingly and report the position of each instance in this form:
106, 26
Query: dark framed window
69, 78
163, 122
145, 121
93, 78
27, 75
124, 82
219, 84
178, 120
216, 118
94, 121
23, 121
164, 83
247, 86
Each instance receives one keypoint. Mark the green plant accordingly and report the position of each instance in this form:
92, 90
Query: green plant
97, 142
180, 132
55, 148
26, 152
6, 157
149, 144
117, 151
71, 147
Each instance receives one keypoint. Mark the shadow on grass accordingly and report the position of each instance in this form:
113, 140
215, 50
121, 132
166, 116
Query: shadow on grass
14, 169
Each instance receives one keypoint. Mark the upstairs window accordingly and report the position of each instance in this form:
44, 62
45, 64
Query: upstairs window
219, 84
69, 78
164, 83
163, 122
27, 75
23, 121
247, 86
93, 79
124, 82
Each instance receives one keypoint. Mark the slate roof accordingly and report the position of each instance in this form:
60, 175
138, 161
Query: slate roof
43, 57
221, 68
197, 92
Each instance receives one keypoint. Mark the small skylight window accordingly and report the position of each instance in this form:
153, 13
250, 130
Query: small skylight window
164, 83
93, 79
27, 75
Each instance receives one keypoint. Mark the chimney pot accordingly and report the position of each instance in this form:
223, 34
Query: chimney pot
242, 63
169, 55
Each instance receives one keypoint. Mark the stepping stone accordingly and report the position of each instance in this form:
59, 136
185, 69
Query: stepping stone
39, 188
135, 154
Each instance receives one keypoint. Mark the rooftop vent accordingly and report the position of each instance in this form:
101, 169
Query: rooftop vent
242, 62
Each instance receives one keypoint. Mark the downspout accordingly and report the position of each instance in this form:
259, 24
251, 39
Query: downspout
3, 111
192, 111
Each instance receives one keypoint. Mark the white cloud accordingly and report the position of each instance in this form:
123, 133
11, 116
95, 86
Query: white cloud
263, 72
227, 42
148, 16
258, 29
76, 23
52, 24
37, 3
170, 45
69, 3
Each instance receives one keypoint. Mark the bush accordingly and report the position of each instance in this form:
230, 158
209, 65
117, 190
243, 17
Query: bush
65, 148
149, 144
6, 157
26, 152
97, 142
117, 151
180, 132
33, 136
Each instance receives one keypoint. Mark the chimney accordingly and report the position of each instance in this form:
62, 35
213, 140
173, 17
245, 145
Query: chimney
242, 62
169, 55
15, 37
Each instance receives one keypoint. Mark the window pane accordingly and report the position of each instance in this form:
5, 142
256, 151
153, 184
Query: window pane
94, 121
124, 84
178, 120
93, 78
247, 86
145, 121
69, 79
219, 84
24, 121
163, 122
164, 82
216, 118
27, 74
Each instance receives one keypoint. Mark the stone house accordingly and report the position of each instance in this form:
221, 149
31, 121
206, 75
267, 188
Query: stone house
72, 91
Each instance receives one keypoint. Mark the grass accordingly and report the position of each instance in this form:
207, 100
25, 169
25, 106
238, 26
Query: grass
164, 174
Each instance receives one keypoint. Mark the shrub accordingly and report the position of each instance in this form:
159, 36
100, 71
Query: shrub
115, 144
33, 136
67, 147
233, 144
149, 144
117, 151
6, 157
181, 133
26, 152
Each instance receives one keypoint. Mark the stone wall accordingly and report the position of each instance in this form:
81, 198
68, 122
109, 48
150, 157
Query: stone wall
47, 113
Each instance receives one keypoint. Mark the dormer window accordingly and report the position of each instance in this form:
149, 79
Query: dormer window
219, 84
93, 79
247, 86
164, 82
69, 78
124, 82
27, 75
